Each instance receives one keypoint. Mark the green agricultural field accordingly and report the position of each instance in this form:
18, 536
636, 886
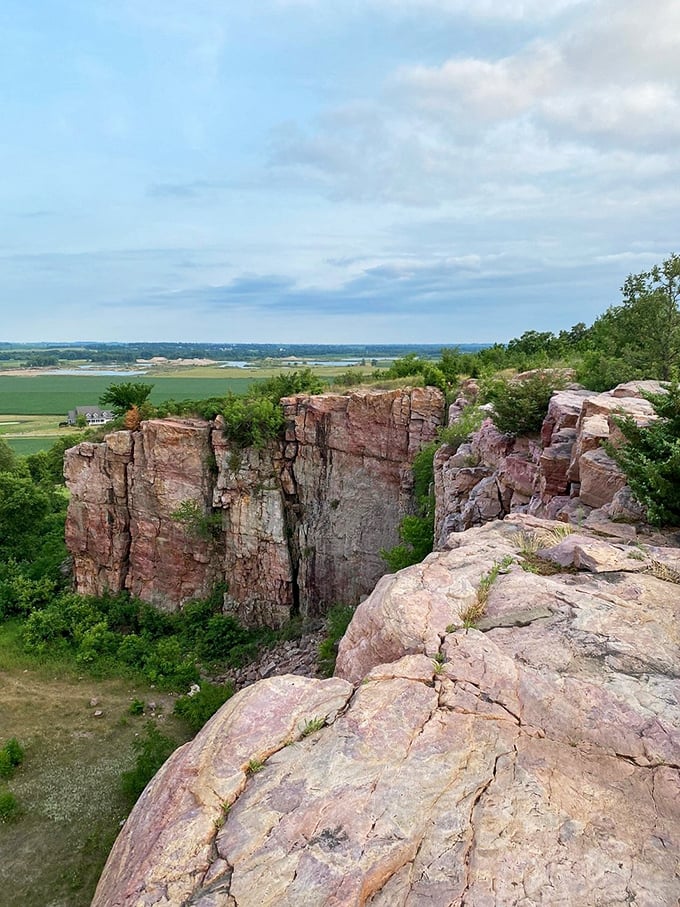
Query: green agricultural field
25, 446
57, 394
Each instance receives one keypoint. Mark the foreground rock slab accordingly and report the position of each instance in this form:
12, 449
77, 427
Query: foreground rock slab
530, 759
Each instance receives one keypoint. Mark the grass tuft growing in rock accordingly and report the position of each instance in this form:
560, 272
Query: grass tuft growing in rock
311, 726
477, 608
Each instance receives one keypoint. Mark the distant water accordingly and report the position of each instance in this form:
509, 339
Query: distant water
84, 370
240, 363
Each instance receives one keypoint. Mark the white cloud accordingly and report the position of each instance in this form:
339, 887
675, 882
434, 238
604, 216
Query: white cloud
569, 119
612, 76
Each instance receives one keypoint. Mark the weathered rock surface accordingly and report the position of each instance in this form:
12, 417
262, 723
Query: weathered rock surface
297, 526
534, 761
564, 474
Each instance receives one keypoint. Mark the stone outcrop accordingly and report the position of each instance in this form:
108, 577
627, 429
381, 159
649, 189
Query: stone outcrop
533, 758
565, 473
294, 527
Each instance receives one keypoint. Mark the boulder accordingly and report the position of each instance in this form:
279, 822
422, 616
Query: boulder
600, 477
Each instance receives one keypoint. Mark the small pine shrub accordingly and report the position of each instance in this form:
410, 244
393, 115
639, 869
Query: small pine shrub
15, 751
9, 806
520, 406
650, 457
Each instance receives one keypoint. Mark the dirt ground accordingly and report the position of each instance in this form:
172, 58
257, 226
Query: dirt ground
69, 784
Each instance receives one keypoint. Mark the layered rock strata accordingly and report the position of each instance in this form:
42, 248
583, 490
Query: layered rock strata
531, 759
564, 473
174, 508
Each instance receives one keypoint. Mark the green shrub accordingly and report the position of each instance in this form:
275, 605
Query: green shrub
43, 629
11, 756
136, 707
337, 621
15, 751
252, 422
599, 372
197, 709
219, 636
104, 634
650, 457
416, 531
351, 378
468, 422
9, 806
285, 384
520, 406
20, 593
197, 520
152, 750
135, 650
169, 666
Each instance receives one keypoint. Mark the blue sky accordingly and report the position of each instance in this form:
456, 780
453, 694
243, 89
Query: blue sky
332, 170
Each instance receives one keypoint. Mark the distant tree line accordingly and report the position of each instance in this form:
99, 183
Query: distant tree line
636, 339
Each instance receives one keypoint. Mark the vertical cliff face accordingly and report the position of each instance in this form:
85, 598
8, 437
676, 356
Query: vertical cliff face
348, 470
98, 524
256, 537
298, 526
172, 463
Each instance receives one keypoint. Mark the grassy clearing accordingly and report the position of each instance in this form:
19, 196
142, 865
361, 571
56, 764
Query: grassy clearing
13, 425
25, 446
68, 787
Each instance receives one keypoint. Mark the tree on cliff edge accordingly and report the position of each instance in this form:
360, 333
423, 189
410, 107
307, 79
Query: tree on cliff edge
123, 397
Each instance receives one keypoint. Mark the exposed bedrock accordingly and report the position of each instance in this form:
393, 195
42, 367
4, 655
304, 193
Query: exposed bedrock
297, 526
564, 473
533, 760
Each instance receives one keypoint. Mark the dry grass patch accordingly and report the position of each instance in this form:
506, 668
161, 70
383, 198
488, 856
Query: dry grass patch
69, 785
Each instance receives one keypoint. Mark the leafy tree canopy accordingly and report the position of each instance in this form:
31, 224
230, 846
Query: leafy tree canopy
644, 331
122, 397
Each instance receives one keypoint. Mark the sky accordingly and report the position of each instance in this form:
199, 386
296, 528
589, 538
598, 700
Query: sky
331, 171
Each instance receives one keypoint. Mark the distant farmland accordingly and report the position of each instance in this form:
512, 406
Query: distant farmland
57, 394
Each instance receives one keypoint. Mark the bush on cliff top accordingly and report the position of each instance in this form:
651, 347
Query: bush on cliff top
650, 457
520, 406
255, 419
